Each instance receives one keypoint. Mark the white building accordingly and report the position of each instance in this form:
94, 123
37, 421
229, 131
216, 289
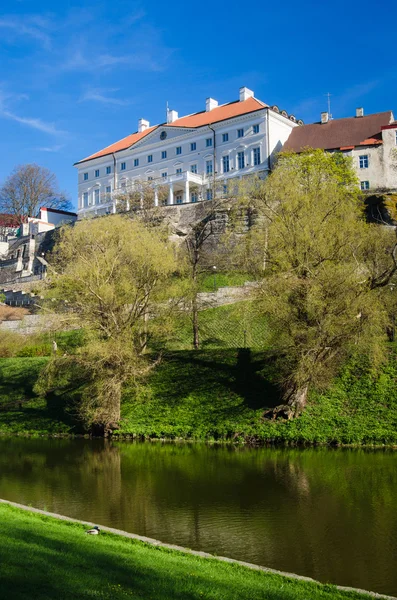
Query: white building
186, 153
371, 141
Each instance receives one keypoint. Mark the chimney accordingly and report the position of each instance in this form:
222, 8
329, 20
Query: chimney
245, 93
359, 112
324, 117
210, 103
142, 125
172, 116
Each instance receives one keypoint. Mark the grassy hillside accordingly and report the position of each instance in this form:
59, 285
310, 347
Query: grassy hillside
45, 558
218, 395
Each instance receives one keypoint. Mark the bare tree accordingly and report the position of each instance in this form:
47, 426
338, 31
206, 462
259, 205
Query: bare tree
28, 188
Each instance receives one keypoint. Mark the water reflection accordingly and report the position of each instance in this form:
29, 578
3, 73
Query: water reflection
328, 514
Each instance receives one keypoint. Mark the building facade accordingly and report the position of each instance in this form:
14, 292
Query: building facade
186, 155
371, 142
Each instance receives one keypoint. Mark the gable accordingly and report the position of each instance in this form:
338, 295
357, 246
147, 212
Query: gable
162, 134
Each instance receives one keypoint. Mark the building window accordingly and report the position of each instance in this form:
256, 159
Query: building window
208, 142
164, 175
96, 172
256, 156
225, 137
226, 164
136, 162
241, 160
363, 161
123, 184
255, 129
209, 194
96, 196
194, 197
150, 158
85, 176
108, 189
208, 167
240, 133
164, 154
396, 138
122, 166
364, 185
193, 146
178, 171
150, 178
108, 170
179, 198
85, 199
193, 169
179, 149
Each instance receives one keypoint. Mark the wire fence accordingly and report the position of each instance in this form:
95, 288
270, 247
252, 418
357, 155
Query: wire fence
230, 326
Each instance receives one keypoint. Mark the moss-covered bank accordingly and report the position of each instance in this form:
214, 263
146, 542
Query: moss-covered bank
217, 395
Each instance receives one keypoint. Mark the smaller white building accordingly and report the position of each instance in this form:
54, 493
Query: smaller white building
48, 219
370, 140
187, 154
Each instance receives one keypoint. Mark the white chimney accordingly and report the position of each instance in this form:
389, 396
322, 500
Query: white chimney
172, 116
210, 103
359, 112
142, 125
324, 117
245, 93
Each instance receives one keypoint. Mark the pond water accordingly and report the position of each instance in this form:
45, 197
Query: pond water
327, 514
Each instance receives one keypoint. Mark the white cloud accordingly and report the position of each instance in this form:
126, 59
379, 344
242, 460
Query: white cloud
100, 95
86, 62
55, 148
33, 123
33, 26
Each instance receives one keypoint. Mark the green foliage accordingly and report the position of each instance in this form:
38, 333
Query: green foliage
56, 559
218, 394
324, 269
110, 276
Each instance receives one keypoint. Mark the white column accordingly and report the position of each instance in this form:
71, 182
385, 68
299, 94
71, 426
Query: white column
171, 194
187, 198
156, 197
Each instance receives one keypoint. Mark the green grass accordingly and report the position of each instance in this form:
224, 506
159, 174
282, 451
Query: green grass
217, 395
209, 281
20, 410
44, 558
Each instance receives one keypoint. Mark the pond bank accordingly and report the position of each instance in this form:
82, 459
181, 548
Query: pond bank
215, 396
48, 555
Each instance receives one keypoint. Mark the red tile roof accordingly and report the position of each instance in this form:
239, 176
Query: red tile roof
126, 142
220, 113
339, 133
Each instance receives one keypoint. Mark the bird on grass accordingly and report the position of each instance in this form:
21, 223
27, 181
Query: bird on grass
94, 531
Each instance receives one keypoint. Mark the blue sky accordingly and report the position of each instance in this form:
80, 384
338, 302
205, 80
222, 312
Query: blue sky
77, 76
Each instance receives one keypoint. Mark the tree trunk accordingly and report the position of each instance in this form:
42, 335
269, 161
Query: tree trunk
195, 317
195, 322
296, 401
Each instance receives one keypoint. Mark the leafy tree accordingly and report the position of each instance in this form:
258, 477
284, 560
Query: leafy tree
325, 269
28, 188
110, 277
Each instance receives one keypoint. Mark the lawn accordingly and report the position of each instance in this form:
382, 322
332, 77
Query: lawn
47, 559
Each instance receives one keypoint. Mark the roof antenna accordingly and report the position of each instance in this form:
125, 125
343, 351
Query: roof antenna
329, 105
